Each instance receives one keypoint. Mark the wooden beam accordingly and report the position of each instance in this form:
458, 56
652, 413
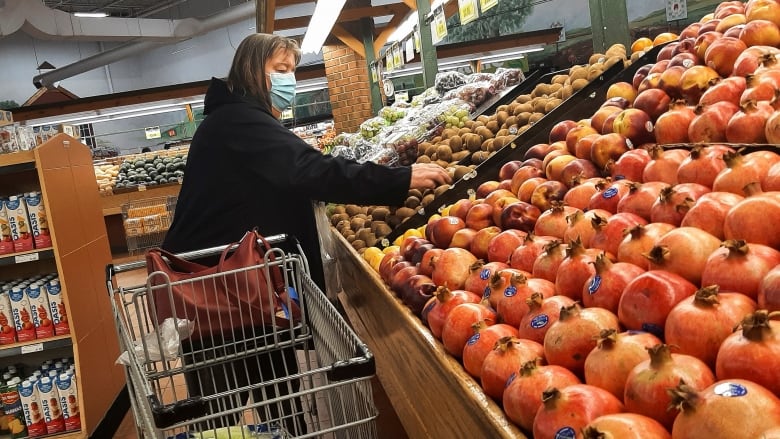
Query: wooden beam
269, 15
264, 16
412, 4
388, 30
348, 39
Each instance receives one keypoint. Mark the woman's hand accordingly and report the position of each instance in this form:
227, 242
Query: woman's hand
428, 176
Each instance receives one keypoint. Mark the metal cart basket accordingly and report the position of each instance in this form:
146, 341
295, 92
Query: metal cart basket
146, 222
310, 378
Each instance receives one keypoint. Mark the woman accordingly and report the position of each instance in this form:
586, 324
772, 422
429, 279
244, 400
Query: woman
245, 169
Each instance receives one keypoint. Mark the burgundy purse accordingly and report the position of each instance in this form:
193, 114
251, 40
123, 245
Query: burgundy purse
218, 299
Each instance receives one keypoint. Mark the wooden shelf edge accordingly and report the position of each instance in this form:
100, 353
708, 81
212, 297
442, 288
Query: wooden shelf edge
15, 349
27, 256
17, 158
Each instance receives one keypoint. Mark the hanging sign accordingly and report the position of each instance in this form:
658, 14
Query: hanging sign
153, 132
398, 60
467, 10
417, 40
374, 74
389, 60
484, 5
409, 49
439, 25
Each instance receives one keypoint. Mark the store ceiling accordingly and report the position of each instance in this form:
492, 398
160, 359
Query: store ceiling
116, 8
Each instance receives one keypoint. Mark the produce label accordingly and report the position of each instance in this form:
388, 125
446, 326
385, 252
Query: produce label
594, 284
539, 321
467, 10
473, 339
565, 433
609, 193
487, 292
510, 291
484, 274
510, 379
653, 329
730, 390
619, 177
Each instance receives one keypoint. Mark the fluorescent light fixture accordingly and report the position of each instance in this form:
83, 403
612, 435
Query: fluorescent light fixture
509, 55
91, 14
132, 112
325, 14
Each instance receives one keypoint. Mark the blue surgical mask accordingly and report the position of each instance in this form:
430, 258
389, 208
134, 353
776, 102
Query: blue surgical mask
282, 90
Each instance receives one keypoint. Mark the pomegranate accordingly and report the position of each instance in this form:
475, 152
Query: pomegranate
453, 268
758, 90
523, 393
482, 343
512, 307
674, 202
769, 292
604, 288
569, 340
683, 251
552, 222
543, 313
700, 168
608, 196
565, 412
722, 54
772, 129
612, 145
640, 198
740, 267
457, 327
751, 59
638, 240
500, 248
703, 41
615, 355
443, 301
754, 352
648, 382
698, 324
523, 257
747, 125
630, 165
726, 90
428, 261
574, 271
505, 359
697, 79
711, 121
671, 77
709, 212
653, 101
546, 264
725, 410
648, 299
581, 225
772, 180
480, 274
672, 126
581, 192
664, 164
610, 231
502, 281
625, 426
742, 222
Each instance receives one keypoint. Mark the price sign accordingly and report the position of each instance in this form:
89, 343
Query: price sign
484, 5
417, 41
374, 75
676, 10
389, 60
439, 26
29, 349
468, 11
28, 257
153, 132
402, 96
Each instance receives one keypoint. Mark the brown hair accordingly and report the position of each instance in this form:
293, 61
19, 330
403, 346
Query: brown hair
247, 71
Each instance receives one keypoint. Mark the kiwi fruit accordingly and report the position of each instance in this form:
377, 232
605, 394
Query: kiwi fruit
350, 238
456, 143
358, 244
335, 219
415, 193
460, 155
405, 212
503, 131
525, 107
487, 145
357, 223
464, 130
443, 163
427, 200
381, 229
551, 104
485, 133
423, 159
482, 118
502, 108
352, 209
578, 72
473, 142
566, 92
379, 214
523, 98
449, 132
523, 117
579, 84
467, 125
535, 118
540, 104
440, 190
559, 79
339, 208
511, 120
363, 234
412, 202
393, 221
430, 149
460, 171
501, 117
493, 126
480, 156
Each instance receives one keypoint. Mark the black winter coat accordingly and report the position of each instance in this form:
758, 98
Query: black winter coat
245, 169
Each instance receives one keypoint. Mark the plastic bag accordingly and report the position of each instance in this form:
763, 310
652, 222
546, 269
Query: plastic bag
171, 335
446, 81
504, 78
478, 77
392, 114
453, 112
428, 97
370, 128
327, 252
381, 155
475, 93
404, 142
343, 151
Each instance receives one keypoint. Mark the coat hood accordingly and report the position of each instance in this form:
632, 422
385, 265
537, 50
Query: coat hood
219, 95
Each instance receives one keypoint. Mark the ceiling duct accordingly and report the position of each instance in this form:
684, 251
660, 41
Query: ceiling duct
141, 34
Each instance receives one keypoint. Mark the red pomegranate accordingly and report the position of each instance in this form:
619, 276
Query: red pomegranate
709, 212
742, 222
625, 426
543, 313
444, 300
611, 231
512, 307
648, 299
458, 325
604, 288
482, 342
574, 271
565, 412
523, 257
504, 360
769, 292
638, 241
683, 251
754, 352
480, 274
640, 198
740, 267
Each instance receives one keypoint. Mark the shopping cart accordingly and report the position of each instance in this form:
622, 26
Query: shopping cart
256, 384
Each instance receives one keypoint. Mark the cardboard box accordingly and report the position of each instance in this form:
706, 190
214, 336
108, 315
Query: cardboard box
134, 226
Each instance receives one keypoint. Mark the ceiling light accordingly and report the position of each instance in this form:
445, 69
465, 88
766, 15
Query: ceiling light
320, 25
91, 14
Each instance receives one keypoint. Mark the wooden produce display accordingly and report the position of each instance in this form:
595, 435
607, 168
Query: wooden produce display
62, 170
429, 390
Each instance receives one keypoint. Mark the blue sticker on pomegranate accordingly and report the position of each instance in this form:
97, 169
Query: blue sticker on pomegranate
487, 292
594, 284
484, 274
619, 177
565, 433
473, 339
730, 390
510, 291
510, 379
539, 321
609, 193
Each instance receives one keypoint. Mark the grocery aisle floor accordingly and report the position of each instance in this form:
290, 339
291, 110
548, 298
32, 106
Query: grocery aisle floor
388, 424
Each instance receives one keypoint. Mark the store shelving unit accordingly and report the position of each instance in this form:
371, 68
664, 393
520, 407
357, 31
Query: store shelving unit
62, 169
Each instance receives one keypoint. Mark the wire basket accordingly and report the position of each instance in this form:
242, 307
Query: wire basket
147, 221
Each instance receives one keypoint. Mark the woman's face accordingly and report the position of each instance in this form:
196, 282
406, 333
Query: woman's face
282, 61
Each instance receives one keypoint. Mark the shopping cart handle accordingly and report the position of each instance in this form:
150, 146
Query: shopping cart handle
349, 370
167, 415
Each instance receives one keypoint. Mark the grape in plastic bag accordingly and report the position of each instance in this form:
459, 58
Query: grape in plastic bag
446, 81
504, 78
392, 114
370, 128
343, 151
475, 94
479, 77
404, 143
381, 155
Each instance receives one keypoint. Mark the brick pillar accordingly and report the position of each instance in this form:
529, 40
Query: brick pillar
350, 95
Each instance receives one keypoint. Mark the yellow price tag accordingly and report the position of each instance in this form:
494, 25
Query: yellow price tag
467, 10
439, 25
484, 5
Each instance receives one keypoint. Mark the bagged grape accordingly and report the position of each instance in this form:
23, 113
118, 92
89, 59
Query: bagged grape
343, 151
479, 77
370, 128
504, 78
392, 114
404, 142
475, 93
446, 81
429, 97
